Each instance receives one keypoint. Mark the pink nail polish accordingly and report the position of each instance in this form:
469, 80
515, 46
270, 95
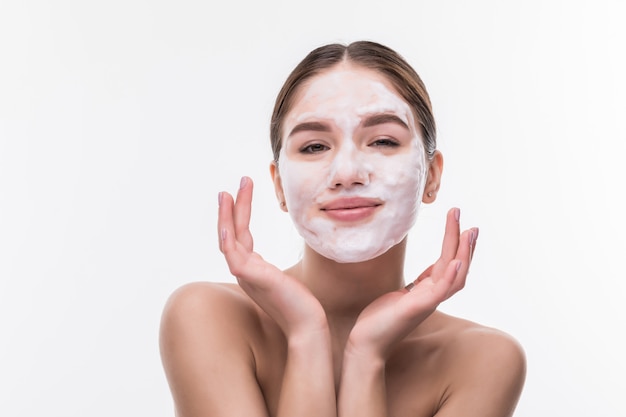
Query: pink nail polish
243, 182
457, 214
219, 198
458, 266
223, 234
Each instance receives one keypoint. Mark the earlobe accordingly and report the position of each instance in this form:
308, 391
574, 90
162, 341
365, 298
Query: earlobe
278, 186
433, 179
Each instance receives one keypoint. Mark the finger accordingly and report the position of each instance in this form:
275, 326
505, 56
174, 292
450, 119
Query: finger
464, 255
451, 236
242, 210
427, 272
473, 244
225, 225
427, 294
454, 279
235, 254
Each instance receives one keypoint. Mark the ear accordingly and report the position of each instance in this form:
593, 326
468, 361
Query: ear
278, 185
433, 179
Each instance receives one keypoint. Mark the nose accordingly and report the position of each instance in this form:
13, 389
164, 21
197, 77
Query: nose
349, 168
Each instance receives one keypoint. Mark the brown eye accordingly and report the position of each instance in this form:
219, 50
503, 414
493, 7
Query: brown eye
386, 142
314, 148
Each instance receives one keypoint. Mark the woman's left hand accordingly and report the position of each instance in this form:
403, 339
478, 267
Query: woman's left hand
391, 317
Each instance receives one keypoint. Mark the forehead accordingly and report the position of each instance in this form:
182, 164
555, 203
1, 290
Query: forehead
347, 88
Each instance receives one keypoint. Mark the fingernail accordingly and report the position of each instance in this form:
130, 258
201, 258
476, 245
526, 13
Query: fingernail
472, 237
457, 214
243, 182
458, 266
223, 235
219, 198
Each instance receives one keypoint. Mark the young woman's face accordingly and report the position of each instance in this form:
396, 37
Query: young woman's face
352, 167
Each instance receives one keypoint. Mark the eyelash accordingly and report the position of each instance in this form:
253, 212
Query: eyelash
387, 142
314, 148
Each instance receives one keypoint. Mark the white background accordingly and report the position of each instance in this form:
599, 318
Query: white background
120, 121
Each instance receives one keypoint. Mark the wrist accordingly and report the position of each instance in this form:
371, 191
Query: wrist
309, 337
362, 359
358, 350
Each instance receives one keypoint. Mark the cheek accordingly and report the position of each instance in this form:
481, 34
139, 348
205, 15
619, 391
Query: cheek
401, 174
302, 182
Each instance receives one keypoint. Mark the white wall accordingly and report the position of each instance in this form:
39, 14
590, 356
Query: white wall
120, 121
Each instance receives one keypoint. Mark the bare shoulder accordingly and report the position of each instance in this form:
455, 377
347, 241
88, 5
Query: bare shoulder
204, 300
468, 339
486, 369
207, 316
205, 342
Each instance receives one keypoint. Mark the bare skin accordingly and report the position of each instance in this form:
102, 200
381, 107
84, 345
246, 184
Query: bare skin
328, 339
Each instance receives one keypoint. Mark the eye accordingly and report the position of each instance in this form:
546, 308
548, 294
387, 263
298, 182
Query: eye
314, 148
385, 142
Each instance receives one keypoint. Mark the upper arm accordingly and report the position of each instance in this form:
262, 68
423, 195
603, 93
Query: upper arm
488, 377
206, 355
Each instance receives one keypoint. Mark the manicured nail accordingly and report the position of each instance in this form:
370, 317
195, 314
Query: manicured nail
472, 237
219, 198
244, 181
458, 266
223, 235
457, 214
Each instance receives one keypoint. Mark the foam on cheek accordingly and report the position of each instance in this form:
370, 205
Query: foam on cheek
399, 183
300, 183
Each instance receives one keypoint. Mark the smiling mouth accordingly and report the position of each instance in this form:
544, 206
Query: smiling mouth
351, 209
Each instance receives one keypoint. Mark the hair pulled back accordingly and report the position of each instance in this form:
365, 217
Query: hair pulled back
368, 55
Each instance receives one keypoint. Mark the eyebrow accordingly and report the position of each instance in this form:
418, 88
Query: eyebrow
310, 126
372, 120
379, 119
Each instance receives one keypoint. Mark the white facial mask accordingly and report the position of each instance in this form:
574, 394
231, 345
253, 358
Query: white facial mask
387, 182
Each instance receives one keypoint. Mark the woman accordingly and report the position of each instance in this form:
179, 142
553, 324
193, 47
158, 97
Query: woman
339, 333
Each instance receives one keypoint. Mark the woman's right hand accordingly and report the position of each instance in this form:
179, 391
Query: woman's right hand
282, 297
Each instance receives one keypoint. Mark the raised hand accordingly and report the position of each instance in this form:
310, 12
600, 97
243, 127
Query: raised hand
392, 316
282, 297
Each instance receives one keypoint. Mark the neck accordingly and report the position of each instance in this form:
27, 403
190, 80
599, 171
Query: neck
345, 289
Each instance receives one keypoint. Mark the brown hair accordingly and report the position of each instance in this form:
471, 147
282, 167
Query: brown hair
369, 55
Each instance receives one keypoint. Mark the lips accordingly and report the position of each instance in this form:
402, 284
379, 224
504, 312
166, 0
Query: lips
351, 209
